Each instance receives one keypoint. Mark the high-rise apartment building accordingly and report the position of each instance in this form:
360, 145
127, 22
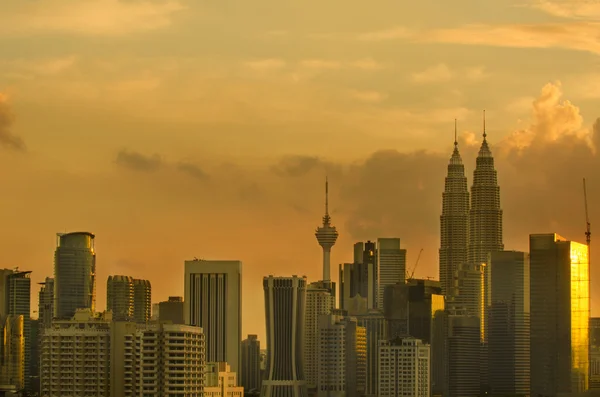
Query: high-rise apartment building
395, 309
454, 220
560, 311
251, 376
221, 381
318, 302
342, 356
213, 301
171, 310
46, 303
285, 303
391, 266
508, 323
129, 299
594, 353
142, 300
75, 357
376, 327
404, 368
463, 354
74, 274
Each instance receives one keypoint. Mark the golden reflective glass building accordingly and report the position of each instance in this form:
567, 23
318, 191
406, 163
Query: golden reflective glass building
560, 312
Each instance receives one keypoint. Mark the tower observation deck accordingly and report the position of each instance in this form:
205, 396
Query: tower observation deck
326, 236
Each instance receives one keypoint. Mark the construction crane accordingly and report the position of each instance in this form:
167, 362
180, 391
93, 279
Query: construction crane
588, 232
415, 267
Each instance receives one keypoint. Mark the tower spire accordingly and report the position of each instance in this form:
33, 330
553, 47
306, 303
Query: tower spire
455, 133
327, 234
484, 133
326, 196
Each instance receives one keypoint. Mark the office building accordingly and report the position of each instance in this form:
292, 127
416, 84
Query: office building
391, 266
594, 354
508, 323
251, 376
342, 354
358, 280
46, 302
395, 309
213, 301
404, 368
560, 311
376, 327
470, 290
75, 356
221, 382
285, 302
171, 360
326, 236
74, 274
171, 310
318, 302
454, 220
463, 354
12, 351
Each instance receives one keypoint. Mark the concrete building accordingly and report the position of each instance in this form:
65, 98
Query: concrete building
74, 274
213, 301
508, 323
404, 368
12, 351
221, 382
124, 359
171, 310
395, 309
326, 236
594, 354
285, 303
391, 266
46, 303
454, 220
342, 357
318, 302
463, 354
251, 374
142, 300
75, 356
560, 311
376, 328
129, 299
171, 360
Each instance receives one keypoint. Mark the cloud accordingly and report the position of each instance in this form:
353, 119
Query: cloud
366, 64
368, 96
320, 64
387, 34
193, 170
266, 64
296, 166
574, 9
138, 162
90, 17
7, 138
435, 74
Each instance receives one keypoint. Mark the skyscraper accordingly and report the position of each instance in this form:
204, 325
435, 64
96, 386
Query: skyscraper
46, 303
358, 280
463, 354
74, 274
376, 327
212, 300
454, 220
284, 313
404, 368
129, 299
391, 266
142, 300
509, 316
560, 311
250, 376
395, 309
326, 236
318, 302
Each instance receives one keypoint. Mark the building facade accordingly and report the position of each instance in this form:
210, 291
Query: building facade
142, 300
74, 274
404, 368
453, 221
251, 374
285, 303
46, 303
12, 351
395, 309
171, 310
213, 301
560, 311
221, 381
391, 266
463, 354
376, 327
318, 302
509, 323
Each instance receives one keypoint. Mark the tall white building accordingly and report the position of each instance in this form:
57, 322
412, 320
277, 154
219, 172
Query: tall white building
221, 382
213, 301
404, 368
342, 363
285, 302
318, 302
391, 266
75, 356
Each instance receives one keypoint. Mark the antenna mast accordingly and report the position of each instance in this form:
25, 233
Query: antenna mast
588, 232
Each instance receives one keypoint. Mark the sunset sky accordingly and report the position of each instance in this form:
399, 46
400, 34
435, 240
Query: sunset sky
180, 129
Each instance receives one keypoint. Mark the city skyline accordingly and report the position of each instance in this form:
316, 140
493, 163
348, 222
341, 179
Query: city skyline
113, 146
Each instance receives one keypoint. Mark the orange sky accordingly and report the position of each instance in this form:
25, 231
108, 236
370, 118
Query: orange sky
175, 131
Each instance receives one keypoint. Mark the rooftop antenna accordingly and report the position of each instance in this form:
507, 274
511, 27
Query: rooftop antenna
588, 232
455, 133
326, 195
484, 133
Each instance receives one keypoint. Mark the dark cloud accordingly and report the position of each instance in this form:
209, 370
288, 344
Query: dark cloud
7, 138
137, 161
296, 166
193, 170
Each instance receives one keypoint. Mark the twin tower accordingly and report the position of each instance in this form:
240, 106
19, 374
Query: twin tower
470, 229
